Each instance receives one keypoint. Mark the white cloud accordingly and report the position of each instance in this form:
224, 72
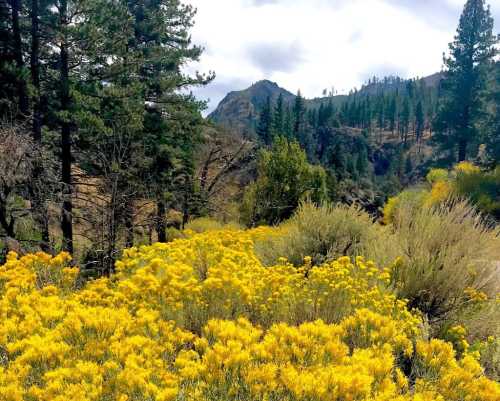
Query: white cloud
322, 43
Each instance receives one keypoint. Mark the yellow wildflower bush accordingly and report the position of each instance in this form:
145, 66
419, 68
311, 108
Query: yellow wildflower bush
464, 181
201, 318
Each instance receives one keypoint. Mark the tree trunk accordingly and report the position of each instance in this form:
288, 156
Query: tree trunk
35, 72
129, 225
462, 150
161, 226
185, 211
7, 226
18, 54
67, 207
39, 206
109, 262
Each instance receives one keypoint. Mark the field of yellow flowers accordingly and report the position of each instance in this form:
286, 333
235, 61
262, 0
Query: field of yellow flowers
202, 319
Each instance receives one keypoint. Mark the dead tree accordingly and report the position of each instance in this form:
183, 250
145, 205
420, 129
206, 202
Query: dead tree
105, 197
224, 160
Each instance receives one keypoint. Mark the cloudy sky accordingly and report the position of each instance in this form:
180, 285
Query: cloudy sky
316, 44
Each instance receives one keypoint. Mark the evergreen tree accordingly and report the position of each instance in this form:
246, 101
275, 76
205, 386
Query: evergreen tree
419, 121
362, 162
265, 127
279, 116
405, 120
471, 54
380, 113
492, 137
392, 112
298, 115
409, 165
288, 123
95, 90
162, 44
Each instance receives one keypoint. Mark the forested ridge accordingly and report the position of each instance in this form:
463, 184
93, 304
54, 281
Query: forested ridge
373, 142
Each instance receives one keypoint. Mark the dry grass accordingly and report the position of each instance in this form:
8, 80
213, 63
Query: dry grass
448, 253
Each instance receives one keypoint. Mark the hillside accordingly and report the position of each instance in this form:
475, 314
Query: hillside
239, 110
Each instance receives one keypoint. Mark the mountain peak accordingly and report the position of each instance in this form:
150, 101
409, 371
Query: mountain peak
239, 109
265, 83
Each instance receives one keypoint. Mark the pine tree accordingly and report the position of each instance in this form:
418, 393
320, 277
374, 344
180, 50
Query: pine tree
288, 123
471, 54
362, 162
265, 127
22, 87
298, 115
492, 137
162, 44
392, 111
279, 116
419, 121
95, 89
405, 119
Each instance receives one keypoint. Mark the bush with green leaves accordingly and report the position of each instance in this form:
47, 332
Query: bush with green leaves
464, 181
482, 188
324, 233
284, 179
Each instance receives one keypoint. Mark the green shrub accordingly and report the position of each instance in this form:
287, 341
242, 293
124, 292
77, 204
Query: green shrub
204, 224
285, 178
436, 175
324, 233
414, 197
482, 188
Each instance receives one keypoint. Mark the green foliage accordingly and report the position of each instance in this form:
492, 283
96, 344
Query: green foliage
284, 179
482, 188
465, 181
323, 233
203, 224
492, 128
115, 103
350, 136
436, 175
463, 99
265, 129
414, 198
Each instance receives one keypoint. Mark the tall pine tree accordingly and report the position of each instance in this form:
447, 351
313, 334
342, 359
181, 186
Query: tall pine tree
265, 127
463, 89
279, 116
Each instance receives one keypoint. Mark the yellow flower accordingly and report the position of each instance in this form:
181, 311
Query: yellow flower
201, 319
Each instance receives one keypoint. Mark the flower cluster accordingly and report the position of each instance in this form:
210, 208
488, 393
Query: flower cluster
202, 319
